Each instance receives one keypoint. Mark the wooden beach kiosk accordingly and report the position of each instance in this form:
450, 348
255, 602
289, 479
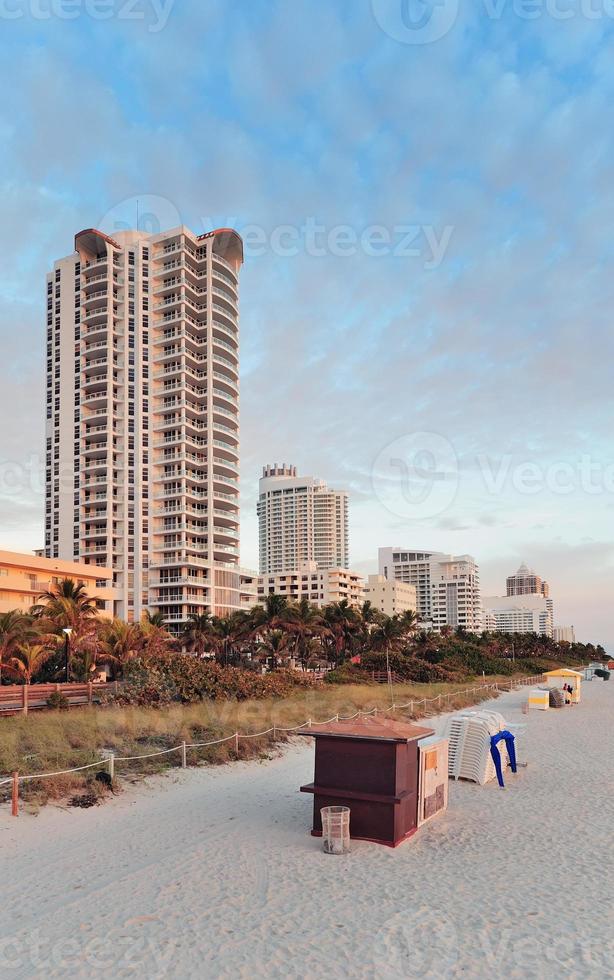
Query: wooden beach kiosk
565, 676
373, 767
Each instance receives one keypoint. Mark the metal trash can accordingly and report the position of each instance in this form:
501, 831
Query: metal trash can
335, 829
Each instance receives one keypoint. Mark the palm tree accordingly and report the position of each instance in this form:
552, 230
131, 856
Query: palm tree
85, 662
270, 614
14, 626
154, 619
229, 631
121, 642
67, 608
341, 622
67, 604
27, 661
409, 622
156, 637
198, 634
273, 648
304, 622
388, 635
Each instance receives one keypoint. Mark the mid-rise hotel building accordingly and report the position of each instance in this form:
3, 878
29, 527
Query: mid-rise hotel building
300, 520
447, 586
527, 613
321, 586
142, 438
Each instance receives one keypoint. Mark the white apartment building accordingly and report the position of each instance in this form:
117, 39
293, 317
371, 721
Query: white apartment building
447, 586
518, 614
300, 520
390, 597
321, 586
414, 568
142, 439
455, 593
564, 634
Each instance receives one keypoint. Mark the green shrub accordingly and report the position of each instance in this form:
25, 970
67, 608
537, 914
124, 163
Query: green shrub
346, 674
58, 701
169, 677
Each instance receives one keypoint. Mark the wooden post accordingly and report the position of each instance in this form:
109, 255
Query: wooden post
309, 722
15, 795
274, 731
24, 699
112, 766
184, 760
237, 742
90, 693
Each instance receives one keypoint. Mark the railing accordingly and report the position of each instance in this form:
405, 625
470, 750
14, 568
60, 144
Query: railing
21, 698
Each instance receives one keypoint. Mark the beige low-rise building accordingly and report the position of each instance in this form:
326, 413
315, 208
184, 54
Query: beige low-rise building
23, 578
321, 586
248, 588
389, 596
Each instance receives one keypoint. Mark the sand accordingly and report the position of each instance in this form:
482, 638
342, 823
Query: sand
213, 873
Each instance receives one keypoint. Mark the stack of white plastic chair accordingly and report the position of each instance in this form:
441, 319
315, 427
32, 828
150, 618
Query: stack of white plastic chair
469, 735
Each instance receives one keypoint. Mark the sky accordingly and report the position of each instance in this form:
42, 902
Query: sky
426, 192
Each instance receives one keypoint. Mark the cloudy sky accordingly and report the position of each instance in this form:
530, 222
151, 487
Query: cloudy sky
427, 198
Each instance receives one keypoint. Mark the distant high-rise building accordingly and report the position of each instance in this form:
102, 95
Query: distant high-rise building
528, 613
526, 582
300, 520
447, 586
143, 417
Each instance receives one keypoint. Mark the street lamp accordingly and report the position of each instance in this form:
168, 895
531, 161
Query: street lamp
67, 630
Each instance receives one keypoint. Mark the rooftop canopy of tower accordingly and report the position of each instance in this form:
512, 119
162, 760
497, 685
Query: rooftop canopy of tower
93, 242
226, 242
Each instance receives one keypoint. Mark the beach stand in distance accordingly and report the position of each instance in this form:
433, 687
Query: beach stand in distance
373, 767
566, 677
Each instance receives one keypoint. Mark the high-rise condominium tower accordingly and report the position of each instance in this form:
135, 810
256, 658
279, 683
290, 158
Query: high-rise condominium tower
300, 520
142, 466
526, 582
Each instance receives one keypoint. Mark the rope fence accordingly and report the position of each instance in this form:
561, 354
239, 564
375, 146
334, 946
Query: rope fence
110, 760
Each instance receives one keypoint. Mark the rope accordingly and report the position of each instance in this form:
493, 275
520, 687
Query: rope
148, 755
237, 735
60, 772
258, 734
217, 741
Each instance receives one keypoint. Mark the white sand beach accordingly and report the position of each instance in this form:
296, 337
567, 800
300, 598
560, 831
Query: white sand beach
213, 873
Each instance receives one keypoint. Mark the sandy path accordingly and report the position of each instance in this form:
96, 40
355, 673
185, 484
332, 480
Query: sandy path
212, 873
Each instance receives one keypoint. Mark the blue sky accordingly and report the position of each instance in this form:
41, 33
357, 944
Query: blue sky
429, 262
